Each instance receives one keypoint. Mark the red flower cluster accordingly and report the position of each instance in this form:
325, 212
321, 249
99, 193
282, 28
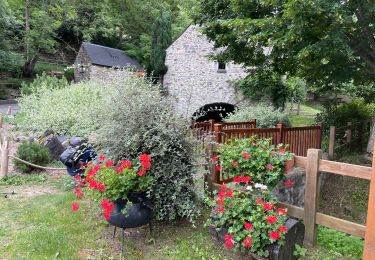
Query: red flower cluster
126, 164
107, 208
101, 157
78, 193
229, 243
218, 168
75, 206
282, 150
288, 183
283, 229
247, 242
269, 167
248, 225
145, 163
275, 235
109, 163
271, 219
246, 156
281, 211
214, 159
243, 179
268, 206
234, 163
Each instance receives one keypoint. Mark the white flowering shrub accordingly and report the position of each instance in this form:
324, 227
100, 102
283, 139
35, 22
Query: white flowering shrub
67, 110
139, 120
266, 115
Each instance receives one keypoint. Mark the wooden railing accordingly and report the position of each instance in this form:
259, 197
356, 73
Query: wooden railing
346, 136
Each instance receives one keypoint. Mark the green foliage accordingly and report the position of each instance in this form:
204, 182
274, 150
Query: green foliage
17, 180
297, 88
117, 181
139, 119
339, 115
65, 109
161, 39
299, 252
69, 74
43, 82
343, 244
246, 215
265, 115
254, 157
33, 153
326, 43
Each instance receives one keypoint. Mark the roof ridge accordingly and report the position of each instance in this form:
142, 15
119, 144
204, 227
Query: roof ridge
102, 46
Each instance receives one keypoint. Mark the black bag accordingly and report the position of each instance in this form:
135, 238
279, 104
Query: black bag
70, 157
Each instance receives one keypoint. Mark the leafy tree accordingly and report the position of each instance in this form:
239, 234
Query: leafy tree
326, 42
161, 39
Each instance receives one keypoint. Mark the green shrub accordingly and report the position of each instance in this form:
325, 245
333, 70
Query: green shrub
33, 153
42, 82
65, 109
69, 74
138, 119
265, 115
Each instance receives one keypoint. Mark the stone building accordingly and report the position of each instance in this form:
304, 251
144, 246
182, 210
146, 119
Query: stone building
197, 84
102, 63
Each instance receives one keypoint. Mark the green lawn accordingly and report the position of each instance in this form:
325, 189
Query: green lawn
306, 116
37, 223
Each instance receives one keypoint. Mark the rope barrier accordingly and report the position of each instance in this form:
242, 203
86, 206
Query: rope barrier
36, 166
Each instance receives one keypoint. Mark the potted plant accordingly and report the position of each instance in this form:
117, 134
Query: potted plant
120, 189
246, 217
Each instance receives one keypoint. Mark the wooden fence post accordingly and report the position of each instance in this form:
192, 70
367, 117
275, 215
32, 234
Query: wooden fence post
4, 159
311, 195
331, 146
218, 133
319, 135
349, 134
369, 250
279, 135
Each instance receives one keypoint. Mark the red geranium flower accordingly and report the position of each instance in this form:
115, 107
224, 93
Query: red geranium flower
223, 187
269, 167
141, 172
97, 168
275, 235
119, 169
100, 187
245, 179
259, 200
267, 206
101, 157
144, 157
229, 244
220, 202
218, 168
247, 242
234, 163
109, 163
126, 164
75, 206
221, 210
146, 164
282, 150
107, 215
230, 193
228, 237
237, 179
248, 225
281, 211
78, 193
92, 184
288, 183
283, 229
221, 195
214, 159
246, 156
271, 219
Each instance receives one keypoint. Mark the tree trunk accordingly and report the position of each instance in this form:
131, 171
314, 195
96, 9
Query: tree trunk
370, 145
29, 66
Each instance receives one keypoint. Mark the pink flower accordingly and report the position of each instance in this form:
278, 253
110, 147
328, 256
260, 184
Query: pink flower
75, 206
247, 242
288, 183
269, 167
246, 156
248, 225
234, 163
271, 219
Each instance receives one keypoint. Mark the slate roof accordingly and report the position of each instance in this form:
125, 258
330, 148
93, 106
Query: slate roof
109, 57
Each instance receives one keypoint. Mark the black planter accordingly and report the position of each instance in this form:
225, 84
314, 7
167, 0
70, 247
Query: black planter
138, 214
294, 236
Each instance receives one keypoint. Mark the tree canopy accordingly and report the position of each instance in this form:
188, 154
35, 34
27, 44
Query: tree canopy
328, 43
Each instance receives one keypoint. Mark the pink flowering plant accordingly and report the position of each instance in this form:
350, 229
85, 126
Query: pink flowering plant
107, 182
251, 222
252, 161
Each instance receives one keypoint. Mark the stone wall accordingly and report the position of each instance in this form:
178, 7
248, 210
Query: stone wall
107, 75
193, 80
82, 66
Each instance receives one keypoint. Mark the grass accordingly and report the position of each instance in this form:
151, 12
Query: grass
306, 116
44, 227
41, 67
17, 180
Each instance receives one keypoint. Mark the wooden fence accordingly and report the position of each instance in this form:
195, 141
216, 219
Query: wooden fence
310, 214
346, 136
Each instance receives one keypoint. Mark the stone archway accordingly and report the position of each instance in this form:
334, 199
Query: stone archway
214, 111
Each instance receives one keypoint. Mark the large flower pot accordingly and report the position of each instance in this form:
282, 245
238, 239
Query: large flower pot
294, 236
138, 214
